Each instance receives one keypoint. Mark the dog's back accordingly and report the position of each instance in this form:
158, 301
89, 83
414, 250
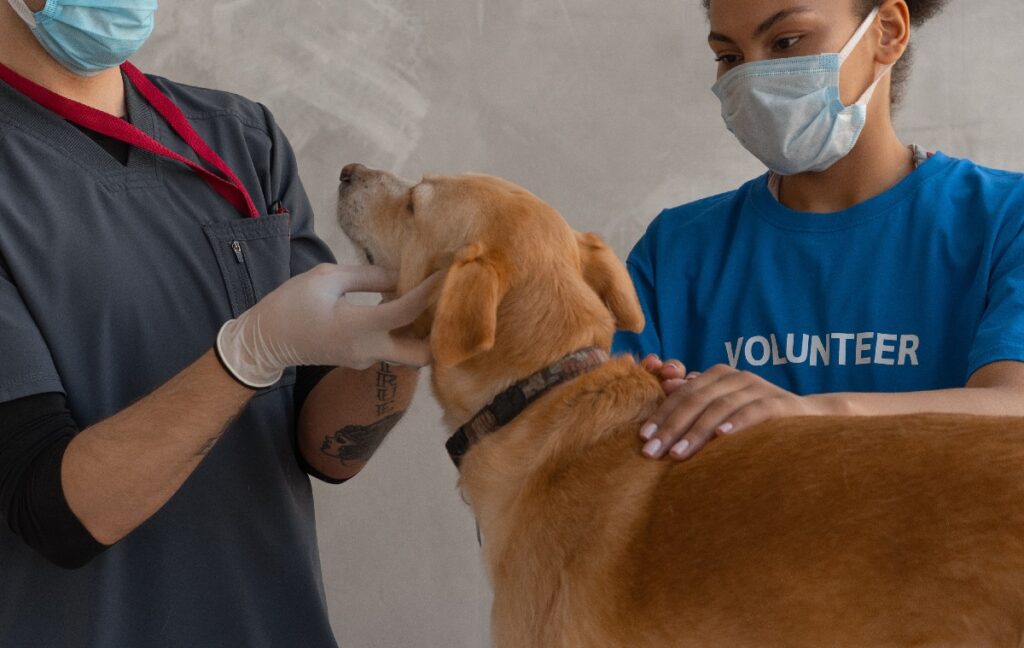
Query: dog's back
901, 531
803, 532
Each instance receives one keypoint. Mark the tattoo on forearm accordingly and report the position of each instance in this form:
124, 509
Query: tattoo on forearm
387, 389
357, 443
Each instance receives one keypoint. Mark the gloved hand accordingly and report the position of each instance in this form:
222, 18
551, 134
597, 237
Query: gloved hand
308, 320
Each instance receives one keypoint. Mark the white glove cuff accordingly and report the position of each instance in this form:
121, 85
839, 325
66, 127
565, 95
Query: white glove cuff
232, 353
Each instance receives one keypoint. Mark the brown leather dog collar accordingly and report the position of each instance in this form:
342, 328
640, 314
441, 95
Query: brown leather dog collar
511, 402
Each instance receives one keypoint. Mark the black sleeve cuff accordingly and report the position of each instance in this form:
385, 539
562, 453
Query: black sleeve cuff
34, 434
47, 523
313, 472
306, 380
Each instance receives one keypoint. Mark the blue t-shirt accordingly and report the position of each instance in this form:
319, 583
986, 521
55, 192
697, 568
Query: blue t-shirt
914, 289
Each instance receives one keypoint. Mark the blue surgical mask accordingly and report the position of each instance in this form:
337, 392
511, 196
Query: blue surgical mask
788, 113
88, 36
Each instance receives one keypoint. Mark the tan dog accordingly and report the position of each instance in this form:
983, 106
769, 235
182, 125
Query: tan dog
809, 532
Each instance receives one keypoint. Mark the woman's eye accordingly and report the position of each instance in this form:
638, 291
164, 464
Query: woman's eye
787, 43
728, 59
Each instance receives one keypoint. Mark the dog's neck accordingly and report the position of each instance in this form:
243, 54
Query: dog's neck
512, 402
526, 342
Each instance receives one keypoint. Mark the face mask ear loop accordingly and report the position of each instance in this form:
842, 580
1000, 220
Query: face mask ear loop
858, 36
23, 12
866, 98
852, 44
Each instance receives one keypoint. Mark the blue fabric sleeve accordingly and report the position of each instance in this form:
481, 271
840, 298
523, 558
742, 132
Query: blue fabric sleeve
641, 268
285, 187
1000, 335
26, 366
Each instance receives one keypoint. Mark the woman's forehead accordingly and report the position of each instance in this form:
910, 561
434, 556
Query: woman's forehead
754, 13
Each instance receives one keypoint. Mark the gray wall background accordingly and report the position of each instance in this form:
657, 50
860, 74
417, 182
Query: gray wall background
602, 107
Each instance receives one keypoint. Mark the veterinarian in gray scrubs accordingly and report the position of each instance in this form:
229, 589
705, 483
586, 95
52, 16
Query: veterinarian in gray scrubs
860, 275
155, 492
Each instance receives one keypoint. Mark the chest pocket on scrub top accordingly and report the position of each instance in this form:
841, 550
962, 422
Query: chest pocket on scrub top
254, 256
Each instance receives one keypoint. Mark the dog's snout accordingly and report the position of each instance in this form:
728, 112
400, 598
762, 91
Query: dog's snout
349, 171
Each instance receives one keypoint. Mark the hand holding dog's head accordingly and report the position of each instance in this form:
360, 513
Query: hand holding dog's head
515, 267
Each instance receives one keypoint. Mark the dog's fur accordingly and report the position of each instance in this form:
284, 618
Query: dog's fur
901, 531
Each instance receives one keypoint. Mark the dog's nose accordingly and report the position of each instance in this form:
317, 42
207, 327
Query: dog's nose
349, 171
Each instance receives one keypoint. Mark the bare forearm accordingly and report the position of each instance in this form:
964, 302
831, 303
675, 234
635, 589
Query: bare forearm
988, 401
118, 473
994, 390
348, 415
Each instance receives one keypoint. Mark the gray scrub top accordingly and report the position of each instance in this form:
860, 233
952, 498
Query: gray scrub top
112, 280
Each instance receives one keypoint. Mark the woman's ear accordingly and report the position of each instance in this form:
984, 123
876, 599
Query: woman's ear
609, 279
894, 18
466, 317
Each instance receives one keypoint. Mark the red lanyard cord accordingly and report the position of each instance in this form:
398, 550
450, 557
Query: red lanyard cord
229, 186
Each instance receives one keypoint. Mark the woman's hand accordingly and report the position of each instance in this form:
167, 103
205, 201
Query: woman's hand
719, 401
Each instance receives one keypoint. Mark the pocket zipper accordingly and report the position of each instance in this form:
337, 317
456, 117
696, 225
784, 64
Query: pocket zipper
248, 285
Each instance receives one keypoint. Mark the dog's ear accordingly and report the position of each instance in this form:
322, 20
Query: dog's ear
610, 280
466, 318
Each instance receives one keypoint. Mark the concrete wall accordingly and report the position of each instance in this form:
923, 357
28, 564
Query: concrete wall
602, 107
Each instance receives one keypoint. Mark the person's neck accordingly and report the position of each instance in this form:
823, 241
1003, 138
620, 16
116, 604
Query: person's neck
22, 53
876, 164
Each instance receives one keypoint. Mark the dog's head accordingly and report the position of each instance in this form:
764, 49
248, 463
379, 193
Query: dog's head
522, 288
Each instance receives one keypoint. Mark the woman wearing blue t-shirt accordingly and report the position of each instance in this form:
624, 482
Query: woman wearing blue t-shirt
860, 275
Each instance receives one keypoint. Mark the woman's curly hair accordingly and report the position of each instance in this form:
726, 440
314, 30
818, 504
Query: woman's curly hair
921, 11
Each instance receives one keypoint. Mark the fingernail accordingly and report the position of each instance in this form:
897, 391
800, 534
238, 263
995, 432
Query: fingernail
647, 431
725, 428
652, 448
673, 383
680, 448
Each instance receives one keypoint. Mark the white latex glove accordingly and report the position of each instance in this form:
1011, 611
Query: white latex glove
308, 320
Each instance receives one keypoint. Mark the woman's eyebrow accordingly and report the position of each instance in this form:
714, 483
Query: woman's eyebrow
764, 26
782, 15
